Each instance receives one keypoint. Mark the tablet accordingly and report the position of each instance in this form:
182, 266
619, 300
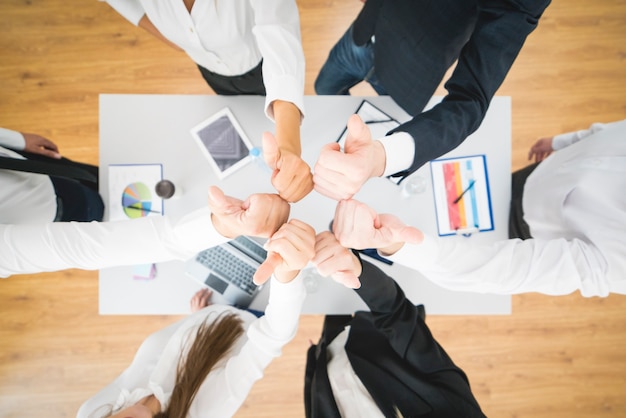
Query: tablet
223, 142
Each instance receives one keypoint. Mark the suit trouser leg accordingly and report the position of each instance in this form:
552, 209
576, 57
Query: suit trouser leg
347, 65
518, 228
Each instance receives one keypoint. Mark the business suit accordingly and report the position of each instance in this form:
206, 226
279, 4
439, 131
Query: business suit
393, 353
416, 41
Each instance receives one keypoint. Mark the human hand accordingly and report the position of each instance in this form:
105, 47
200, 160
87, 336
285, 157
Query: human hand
291, 176
288, 251
260, 215
340, 175
541, 149
334, 260
358, 226
37, 144
200, 300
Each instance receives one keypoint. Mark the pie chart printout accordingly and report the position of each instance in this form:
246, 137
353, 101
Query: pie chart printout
137, 200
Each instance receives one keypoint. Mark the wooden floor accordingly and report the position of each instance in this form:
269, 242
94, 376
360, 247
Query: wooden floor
554, 357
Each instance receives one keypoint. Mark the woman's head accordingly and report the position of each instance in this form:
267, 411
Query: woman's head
212, 343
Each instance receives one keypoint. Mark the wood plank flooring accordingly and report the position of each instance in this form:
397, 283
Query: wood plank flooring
554, 357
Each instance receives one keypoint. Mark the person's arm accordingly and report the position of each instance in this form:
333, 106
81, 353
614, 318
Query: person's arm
553, 267
33, 143
224, 391
499, 34
135, 376
544, 146
56, 246
277, 32
401, 322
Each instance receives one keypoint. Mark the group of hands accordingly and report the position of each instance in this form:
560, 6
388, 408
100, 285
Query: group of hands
291, 243
339, 175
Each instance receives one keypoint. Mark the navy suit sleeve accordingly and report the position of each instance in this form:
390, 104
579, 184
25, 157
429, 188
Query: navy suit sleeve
403, 325
499, 34
400, 320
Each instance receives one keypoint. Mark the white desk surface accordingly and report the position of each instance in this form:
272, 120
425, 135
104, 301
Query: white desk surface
142, 129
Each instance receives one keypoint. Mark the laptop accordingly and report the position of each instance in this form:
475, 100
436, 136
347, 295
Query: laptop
228, 269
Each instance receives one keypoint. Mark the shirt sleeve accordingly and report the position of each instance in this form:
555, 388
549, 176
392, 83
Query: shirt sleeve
33, 248
131, 10
565, 140
399, 151
499, 34
135, 376
266, 337
277, 32
12, 139
552, 267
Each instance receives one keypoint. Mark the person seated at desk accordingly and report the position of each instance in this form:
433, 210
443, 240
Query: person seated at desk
403, 48
382, 363
242, 47
38, 185
206, 364
572, 205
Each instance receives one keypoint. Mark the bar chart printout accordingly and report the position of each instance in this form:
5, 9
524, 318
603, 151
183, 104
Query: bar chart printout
461, 192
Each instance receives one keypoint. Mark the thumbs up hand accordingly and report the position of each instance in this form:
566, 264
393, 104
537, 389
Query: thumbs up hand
340, 175
291, 176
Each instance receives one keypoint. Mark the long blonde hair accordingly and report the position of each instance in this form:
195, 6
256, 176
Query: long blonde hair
213, 342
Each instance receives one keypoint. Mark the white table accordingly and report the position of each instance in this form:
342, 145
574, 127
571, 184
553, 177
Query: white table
142, 129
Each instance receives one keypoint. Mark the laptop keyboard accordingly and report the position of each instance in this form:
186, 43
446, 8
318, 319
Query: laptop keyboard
230, 268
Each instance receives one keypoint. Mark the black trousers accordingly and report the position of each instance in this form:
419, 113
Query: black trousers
250, 83
518, 228
77, 200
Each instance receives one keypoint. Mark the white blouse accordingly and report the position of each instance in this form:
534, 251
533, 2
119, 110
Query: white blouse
231, 37
575, 205
153, 370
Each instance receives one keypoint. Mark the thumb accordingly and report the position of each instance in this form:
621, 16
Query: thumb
266, 269
358, 132
347, 279
218, 202
216, 196
271, 152
411, 235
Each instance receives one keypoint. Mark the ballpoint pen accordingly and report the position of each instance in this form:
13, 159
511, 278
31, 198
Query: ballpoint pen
464, 191
142, 209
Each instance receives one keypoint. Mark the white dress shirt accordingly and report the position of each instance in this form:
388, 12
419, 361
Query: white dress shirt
95, 245
153, 370
575, 205
351, 396
231, 38
55, 246
24, 197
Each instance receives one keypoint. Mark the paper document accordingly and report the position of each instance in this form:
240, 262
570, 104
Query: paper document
378, 121
131, 191
461, 192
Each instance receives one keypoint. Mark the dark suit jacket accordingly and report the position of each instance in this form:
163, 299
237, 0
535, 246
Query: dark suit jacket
395, 356
418, 40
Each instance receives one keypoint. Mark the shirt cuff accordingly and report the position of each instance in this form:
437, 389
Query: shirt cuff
12, 139
418, 256
195, 232
399, 151
285, 88
131, 10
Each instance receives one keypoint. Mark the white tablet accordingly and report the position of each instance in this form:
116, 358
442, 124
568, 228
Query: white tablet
223, 142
